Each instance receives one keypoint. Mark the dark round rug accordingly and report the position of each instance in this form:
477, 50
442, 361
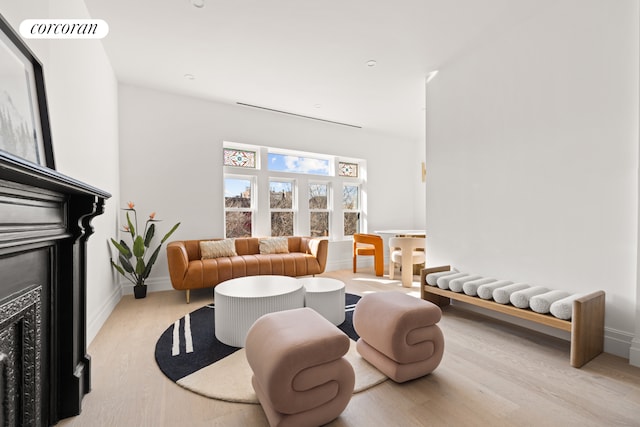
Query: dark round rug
187, 352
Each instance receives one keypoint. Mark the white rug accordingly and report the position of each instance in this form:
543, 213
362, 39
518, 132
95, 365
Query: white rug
229, 379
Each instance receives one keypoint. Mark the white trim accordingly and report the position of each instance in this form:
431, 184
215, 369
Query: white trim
155, 284
634, 352
342, 265
615, 342
98, 317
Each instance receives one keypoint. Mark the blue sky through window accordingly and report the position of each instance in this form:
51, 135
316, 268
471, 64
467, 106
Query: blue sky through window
297, 164
235, 187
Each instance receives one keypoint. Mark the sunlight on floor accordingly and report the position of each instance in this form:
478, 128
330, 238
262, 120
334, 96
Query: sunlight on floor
415, 286
374, 279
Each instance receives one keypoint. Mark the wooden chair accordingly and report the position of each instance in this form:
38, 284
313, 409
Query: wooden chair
406, 251
369, 245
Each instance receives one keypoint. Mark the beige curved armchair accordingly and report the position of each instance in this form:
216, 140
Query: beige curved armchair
406, 251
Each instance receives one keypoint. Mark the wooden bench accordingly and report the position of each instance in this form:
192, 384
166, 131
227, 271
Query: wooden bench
586, 324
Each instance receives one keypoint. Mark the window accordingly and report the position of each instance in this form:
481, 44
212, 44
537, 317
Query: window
239, 158
298, 164
283, 192
318, 209
238, 204
281, 205
348, 169
351, 209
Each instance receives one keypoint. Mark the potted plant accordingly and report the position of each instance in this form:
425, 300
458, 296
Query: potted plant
132, 263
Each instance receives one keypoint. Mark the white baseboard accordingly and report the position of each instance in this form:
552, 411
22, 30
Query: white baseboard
634, 352
340, 265
158, 284
155, 284
616, 342
98, 318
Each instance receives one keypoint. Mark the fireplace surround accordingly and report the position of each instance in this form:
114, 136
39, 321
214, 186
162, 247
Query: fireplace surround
45, 221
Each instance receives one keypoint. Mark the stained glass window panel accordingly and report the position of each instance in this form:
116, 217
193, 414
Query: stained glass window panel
348, 169
239, 158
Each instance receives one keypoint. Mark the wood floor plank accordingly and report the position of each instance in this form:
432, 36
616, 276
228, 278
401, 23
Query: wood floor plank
493, 373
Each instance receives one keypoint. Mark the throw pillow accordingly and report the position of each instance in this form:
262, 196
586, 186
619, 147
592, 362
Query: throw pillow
217, 248
274, 245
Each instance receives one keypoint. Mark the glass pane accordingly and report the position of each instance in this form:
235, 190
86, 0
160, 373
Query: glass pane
348, 169
280, 195
282, 223
238, 224
297, 164
350, 223
237, 193
319, 224
318, 196
239, 158
350, 197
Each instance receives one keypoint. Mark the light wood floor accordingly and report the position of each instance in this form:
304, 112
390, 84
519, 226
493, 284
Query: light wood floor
492, 374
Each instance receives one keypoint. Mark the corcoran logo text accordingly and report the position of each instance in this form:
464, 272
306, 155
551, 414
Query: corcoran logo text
64, 28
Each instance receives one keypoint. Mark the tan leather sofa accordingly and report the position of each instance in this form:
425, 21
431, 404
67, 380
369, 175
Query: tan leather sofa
307, 256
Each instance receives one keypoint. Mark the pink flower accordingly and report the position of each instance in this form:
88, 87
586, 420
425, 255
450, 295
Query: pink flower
152, 215
131, 205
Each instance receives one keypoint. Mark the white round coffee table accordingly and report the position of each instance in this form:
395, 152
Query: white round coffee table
326, 296
240, 302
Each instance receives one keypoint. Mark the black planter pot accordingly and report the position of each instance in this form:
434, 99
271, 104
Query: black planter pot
140, 291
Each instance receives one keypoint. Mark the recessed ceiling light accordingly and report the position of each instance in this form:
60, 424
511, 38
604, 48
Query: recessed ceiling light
317, 105
372, 63
198, 3
189, 77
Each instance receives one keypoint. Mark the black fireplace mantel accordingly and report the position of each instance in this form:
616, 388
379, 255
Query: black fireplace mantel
45, 221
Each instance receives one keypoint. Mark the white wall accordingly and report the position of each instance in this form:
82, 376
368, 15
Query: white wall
532, 152
634, 352
171, 157
82, 97
83, 101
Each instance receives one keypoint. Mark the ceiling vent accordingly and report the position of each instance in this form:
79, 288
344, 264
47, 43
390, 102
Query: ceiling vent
298, 115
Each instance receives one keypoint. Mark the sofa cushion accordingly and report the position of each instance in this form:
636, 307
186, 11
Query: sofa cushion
274, 245
217, 248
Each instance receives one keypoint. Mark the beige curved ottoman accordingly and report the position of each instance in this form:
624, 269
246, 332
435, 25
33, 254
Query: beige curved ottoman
299, 374
398, 334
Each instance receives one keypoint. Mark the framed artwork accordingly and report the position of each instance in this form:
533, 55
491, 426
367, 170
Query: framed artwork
24, 118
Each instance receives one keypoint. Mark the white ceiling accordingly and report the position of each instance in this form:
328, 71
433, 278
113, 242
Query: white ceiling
302, 56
